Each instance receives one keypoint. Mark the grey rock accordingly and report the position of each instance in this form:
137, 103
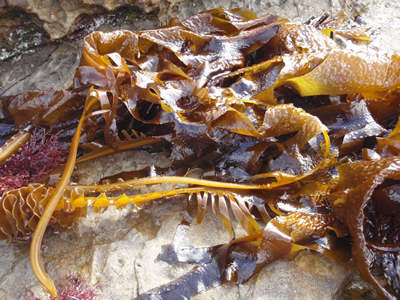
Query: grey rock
309, 276
59, 17
30, 65
51, 68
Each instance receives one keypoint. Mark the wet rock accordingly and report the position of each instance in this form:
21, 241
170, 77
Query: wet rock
117, 262
120, 162
14, 262
285, 280
52, 67
59, 17
119, 251
30, 63
355, 288
26, 65
228, 291
18, 33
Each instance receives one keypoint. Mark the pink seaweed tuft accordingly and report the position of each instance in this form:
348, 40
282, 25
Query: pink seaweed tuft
72, 288
33, 161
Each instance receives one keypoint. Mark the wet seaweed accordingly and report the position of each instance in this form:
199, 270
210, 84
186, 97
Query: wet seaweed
251, 102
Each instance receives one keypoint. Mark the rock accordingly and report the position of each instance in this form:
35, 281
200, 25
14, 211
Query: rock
28, 64
117, 262
52, 67
58, 17
19, 33
52, 64
355, 288
285, 280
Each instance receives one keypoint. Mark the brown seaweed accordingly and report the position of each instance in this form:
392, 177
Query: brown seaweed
253, 103
365, 206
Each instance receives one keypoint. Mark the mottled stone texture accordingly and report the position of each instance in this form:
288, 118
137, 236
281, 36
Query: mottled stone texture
59, 16
118, 249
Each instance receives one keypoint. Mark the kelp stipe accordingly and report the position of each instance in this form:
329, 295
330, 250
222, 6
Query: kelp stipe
52, 204
14, 143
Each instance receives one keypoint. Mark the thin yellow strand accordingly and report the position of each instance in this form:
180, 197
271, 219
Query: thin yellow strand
37, 237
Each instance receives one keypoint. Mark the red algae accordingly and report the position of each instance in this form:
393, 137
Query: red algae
75, 288
72, 288
34, 160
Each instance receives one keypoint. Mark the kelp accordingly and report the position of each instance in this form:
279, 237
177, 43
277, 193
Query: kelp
253, 105
366, 205
377, 75
349, 124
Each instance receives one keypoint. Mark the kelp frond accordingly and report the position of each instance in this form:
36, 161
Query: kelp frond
21, 209
226, 204
97, 150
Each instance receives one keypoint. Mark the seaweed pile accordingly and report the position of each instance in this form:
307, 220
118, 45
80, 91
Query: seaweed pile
295, 135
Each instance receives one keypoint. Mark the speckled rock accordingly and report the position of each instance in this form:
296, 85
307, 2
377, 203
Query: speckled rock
59, 17
28, 64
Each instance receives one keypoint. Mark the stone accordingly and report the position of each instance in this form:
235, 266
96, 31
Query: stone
58, 17
19, 33
30, 64
53, 67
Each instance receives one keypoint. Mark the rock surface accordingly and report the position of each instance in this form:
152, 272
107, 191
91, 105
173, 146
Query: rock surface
29, 64
118, 250
58, 17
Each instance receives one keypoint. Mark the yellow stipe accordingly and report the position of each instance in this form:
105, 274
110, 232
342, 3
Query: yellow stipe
13, 144
227, 224
275, 210
78, 202
295, 249
335, 254
102, 200
53, 203
123, 200
127, 145
327, 31
339, 201
253, 227
286, 178
282, 178
256, 237
175, 179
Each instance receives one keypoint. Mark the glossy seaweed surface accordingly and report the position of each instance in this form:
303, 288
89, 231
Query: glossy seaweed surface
294, 135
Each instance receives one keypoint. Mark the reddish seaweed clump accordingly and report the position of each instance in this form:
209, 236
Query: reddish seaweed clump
74, 288
71, 288
40, 155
